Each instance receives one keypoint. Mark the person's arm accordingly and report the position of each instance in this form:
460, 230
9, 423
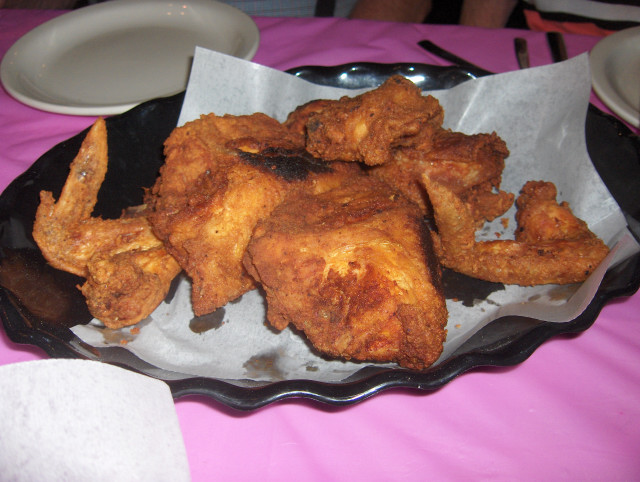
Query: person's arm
486, 13
414, 11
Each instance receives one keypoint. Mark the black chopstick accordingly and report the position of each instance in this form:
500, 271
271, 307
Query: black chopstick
557, 46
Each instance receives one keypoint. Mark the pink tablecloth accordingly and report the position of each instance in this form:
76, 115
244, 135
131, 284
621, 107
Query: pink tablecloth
570, 412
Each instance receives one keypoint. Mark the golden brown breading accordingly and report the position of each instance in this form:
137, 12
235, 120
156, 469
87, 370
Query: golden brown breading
353, 269
552, 245
221, 176
486, 202
541, 219
469, 165
368, 127
62, 249
297, 120
71, 240
201, 145
398, 131
126, 287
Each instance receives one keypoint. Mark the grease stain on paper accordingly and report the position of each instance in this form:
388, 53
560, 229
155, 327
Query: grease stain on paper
264, 365
122, 336
470, 291
210, 321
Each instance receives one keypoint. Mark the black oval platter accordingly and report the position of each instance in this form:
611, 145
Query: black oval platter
39, 304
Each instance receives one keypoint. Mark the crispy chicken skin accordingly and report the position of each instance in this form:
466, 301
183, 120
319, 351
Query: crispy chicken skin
128, 271
542, 219
221, 176
56, 221
398, 131
353, 268
297, 120
551, 245
457, 160
124, 287
469, 165
368, 127
487, 201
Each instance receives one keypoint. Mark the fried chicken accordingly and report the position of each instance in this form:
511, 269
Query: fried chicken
353, 268
368, 127
297, 120
221, 176
342, 251
469, 165
399, 132
128, 270
552, 246
541, 219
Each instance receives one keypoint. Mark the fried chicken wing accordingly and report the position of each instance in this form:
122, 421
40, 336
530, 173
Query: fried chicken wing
487, 201
368, 127
105, 251
221, 176
353, 268
542, 219
55, 221
551, 245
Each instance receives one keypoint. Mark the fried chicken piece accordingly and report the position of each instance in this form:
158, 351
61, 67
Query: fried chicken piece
551, 245
458, 160
541, 219
469, 165
71, 240
297, 120
353, 268
368, 127
125, 286
54, 221
399, 132
221, 176
486, 201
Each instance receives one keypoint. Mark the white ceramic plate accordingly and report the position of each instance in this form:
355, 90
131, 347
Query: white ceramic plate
615, 69
106, 58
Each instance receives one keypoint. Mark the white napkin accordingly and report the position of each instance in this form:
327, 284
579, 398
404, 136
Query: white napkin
77, 420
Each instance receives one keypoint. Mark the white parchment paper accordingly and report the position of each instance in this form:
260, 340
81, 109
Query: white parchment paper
80, 420
539, 112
